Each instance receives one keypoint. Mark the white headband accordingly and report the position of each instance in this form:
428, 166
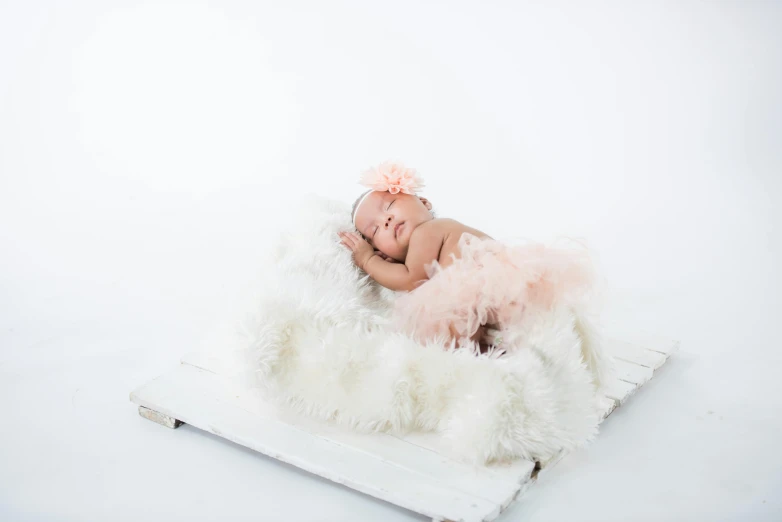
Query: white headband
355, 212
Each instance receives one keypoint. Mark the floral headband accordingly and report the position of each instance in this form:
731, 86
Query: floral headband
392, 177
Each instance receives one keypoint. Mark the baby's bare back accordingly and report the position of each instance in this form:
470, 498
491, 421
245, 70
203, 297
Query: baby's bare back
437, 240
453, 232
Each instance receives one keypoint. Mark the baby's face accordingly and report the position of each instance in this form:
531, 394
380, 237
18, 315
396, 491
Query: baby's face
380, 213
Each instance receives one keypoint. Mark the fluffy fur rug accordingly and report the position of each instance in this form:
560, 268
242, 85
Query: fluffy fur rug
320, 341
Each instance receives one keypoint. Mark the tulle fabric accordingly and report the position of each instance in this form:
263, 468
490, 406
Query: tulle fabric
492, 283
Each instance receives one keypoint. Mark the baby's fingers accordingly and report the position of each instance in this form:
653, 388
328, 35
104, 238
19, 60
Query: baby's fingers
346, 240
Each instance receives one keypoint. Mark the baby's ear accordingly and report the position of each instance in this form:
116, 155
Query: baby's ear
426, 202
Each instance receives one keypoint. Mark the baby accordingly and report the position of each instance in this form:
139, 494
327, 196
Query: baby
461, 284
399, 235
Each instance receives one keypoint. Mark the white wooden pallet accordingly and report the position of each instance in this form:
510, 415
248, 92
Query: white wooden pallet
414, 471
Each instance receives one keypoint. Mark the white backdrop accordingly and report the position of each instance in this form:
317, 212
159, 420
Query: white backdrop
150, 150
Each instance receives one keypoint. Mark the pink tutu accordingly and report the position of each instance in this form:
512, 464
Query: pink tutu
492, 284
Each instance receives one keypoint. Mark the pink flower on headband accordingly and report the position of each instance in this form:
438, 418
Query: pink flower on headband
393, 177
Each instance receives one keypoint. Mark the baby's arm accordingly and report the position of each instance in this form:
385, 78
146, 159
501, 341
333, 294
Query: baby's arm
395, 276
425, 244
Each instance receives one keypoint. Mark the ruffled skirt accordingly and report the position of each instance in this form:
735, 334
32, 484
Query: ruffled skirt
492, 284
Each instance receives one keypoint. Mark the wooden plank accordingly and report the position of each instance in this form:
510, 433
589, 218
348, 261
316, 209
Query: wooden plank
477, 480
516, 472
432, 459
619, 390
632, 373
653, 342
201, 399
206, 361
607, 406
498, 482
635, 353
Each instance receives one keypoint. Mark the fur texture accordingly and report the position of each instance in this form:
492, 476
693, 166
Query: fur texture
321, 341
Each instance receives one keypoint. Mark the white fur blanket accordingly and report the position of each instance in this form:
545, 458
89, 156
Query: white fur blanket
320, 341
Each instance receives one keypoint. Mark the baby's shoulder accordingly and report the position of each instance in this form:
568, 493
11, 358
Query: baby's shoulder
440, 224
444, 227
434, 228
454, 230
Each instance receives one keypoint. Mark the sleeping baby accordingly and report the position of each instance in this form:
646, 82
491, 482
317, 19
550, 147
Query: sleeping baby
460, 284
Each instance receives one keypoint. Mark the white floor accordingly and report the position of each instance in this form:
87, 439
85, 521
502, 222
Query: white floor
147, 152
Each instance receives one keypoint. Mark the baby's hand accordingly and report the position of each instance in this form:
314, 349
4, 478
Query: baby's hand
362, 251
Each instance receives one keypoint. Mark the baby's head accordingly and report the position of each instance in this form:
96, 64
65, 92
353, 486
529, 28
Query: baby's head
387, 220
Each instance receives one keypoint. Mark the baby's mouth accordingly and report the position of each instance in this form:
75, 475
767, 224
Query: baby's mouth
397, 227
